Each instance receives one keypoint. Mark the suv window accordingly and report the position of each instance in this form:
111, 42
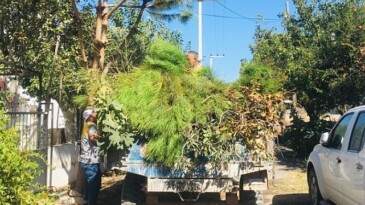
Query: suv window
357, 136
338, 133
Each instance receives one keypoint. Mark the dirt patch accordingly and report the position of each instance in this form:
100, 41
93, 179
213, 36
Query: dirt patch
289, 186
111, 190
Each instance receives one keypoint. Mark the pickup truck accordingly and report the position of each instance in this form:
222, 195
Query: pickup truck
335, 168
243, 180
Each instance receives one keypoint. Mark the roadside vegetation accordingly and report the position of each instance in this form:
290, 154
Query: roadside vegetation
17, 171
84, 54
320, 58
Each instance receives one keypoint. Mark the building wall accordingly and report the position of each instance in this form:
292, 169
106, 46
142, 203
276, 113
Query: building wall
64, 164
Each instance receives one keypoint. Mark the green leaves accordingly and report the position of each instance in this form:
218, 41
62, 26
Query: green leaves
17, 170
319, 53
271, 80
117, 131
183, 116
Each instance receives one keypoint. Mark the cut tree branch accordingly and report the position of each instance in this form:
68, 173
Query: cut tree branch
133, 29
116, 7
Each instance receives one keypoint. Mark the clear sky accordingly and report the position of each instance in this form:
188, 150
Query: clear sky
228, 29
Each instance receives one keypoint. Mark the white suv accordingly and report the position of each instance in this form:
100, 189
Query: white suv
335, 168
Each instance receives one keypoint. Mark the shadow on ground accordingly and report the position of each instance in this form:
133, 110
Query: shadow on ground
111, 195
291, 199
289, 159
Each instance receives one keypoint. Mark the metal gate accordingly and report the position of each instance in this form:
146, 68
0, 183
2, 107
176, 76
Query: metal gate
34, 133
32, 129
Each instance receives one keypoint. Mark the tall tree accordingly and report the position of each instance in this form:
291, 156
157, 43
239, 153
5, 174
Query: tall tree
56, 39
321, 53
103, 17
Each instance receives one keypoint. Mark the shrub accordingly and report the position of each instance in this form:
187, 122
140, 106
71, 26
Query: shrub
17, 171
303, 136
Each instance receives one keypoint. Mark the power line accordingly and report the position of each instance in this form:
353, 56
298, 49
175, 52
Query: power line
244, 17
270, 20
240, 18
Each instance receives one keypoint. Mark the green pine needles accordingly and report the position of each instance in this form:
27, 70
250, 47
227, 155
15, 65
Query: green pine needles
187, 118
165, 57
164, 105
160, 99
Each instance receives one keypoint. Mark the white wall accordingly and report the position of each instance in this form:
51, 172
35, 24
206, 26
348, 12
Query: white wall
64, 164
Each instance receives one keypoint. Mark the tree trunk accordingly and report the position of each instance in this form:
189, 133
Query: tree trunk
84, 61
97, 39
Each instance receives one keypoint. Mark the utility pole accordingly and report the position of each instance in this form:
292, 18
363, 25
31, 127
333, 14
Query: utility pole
200, 31
287, 12
211, 59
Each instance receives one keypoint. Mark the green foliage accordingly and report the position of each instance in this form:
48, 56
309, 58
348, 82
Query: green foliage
115, 125
159, 6
252, 120
321, 53
163, 105
189, 118
303, 136
184, 118
270, 80
30, 31
162, 101
165, 57
17, 171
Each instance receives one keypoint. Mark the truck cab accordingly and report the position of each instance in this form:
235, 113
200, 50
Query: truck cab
335, 168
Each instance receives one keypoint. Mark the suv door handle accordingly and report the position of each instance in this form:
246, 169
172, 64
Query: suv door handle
338, 160
359, 166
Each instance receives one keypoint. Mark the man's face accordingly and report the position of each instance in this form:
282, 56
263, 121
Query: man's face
92, 116
193, 59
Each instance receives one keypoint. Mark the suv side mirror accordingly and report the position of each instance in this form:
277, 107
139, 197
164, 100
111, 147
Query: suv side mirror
324, 138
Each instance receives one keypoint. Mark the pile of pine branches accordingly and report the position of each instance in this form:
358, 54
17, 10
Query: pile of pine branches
185, 118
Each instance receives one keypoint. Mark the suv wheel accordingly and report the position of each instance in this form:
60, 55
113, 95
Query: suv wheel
314, 192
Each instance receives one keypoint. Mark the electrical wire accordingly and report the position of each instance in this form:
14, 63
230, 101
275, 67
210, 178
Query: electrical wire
240, 18
244, 17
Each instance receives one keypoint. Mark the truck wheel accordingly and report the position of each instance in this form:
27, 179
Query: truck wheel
314, 191
132, 193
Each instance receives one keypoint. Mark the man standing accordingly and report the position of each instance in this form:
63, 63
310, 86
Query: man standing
90, 158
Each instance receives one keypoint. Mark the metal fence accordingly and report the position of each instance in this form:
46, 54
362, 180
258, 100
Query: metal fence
32, 128
33, 132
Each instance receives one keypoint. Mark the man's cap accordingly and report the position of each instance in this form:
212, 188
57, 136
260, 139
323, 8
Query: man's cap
87, 113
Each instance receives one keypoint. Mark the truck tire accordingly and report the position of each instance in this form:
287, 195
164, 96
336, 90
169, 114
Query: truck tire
132, 193
314, 191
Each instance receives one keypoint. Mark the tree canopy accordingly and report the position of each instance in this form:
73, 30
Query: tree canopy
55, 41
251, 73
321, 52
